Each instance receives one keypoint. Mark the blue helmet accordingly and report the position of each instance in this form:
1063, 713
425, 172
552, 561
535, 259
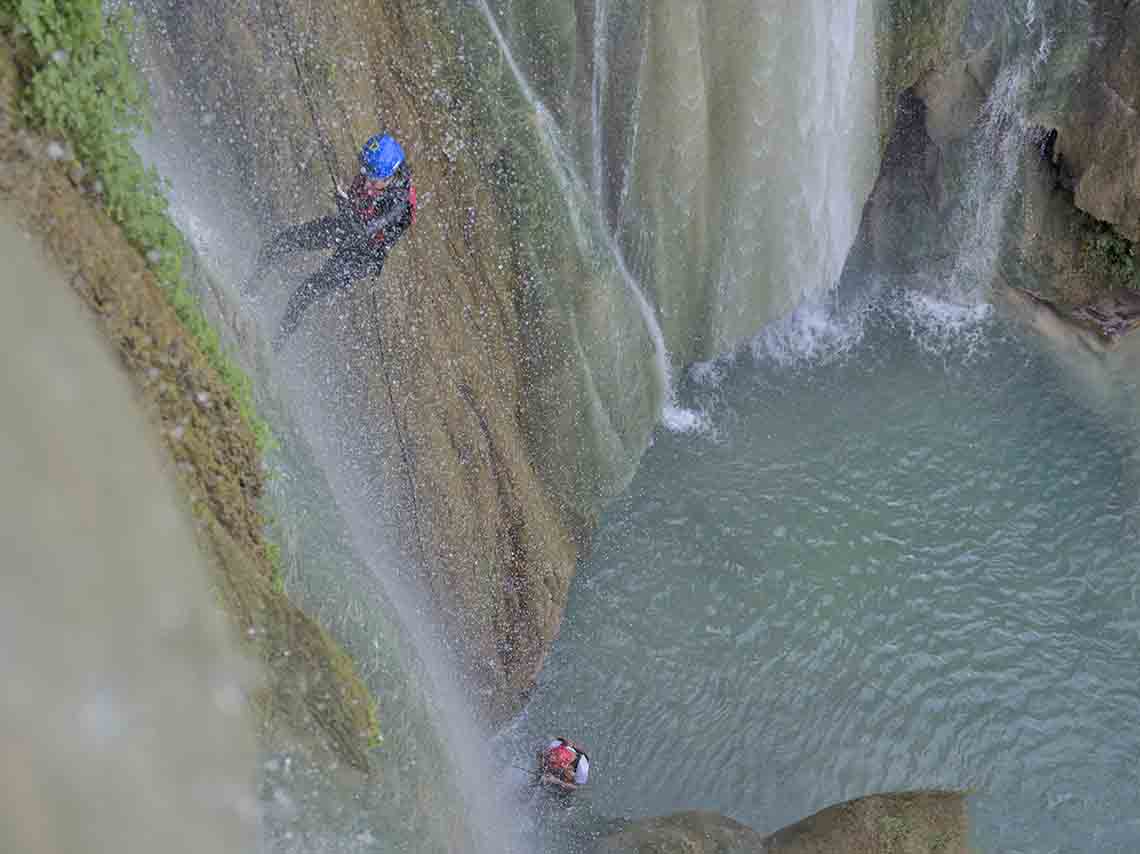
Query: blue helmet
381, 156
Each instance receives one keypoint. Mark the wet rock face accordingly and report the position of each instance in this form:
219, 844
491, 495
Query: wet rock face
1080, 210
1072, 222
468, 377
900, 233
904, 823
1099, 125
432, 357
915, 37
931, 100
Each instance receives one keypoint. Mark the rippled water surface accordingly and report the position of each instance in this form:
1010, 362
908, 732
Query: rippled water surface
909, 567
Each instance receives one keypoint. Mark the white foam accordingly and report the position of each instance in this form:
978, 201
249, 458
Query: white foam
820, 332
677, 419
939, 325
993, 179
586, 211
813, 333
711, 373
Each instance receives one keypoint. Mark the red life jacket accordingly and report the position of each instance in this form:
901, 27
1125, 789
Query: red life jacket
560, 758
396, 203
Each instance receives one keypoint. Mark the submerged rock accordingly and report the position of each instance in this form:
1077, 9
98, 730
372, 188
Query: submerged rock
1050, 321
691, 832
931, 822
1092, 345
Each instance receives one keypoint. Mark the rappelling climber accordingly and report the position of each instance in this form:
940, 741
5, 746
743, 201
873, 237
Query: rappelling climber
563, 764
371, 216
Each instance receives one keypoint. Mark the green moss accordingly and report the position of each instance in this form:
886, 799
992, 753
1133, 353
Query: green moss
361, 702
940, 842
79, 83
273, 555
895, 829
313, 687
1111, 256
912, 36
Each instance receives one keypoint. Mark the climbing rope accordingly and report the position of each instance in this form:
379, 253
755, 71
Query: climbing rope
334, 171
326, 147
401, 438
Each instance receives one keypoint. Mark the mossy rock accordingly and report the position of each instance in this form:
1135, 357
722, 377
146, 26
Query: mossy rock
930, 822
913, 38
933, 822
312, 688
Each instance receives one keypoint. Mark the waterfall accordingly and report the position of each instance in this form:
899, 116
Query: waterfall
732, 146
730, 149
597, 93
948, 217
995, 159
586, 211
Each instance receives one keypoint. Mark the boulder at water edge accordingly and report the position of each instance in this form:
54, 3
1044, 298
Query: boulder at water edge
903, 823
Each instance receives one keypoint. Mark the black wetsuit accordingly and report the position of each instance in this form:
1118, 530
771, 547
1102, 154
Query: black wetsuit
366, 226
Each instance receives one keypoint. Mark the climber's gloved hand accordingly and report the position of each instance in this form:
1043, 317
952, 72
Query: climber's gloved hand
343, 206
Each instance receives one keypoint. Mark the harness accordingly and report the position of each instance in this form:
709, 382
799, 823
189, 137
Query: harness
386, 213
562, 760
578, 750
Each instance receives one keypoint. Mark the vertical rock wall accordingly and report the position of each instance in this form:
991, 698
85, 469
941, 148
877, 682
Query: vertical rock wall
459, 362
1071, 223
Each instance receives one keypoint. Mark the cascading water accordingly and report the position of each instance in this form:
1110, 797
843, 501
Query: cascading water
996, 158
731, 146
950, 300
585, 209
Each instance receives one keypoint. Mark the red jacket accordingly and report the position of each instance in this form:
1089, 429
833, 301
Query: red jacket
384, 214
